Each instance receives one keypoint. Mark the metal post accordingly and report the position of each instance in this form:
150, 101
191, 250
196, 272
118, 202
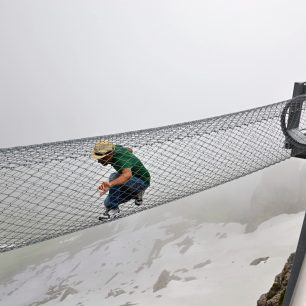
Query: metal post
295, 110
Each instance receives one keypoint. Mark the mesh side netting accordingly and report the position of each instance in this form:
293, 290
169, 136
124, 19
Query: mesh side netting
51, 189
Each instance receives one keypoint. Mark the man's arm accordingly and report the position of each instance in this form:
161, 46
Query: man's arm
122, 179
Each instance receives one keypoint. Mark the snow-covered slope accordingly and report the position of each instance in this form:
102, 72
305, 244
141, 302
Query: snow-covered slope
179, 262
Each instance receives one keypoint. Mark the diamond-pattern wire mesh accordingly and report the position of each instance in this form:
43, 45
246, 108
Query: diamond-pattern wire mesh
51, 189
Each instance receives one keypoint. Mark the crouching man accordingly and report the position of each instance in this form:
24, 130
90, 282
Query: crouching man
129, 181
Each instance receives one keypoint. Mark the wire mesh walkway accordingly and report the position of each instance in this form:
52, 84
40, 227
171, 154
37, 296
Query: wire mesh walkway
50, 189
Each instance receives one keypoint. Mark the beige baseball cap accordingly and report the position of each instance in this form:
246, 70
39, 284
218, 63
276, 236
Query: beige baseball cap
102, 148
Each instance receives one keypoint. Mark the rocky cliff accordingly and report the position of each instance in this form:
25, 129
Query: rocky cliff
275, 296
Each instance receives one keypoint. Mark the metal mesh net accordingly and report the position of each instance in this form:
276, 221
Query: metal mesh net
51, 189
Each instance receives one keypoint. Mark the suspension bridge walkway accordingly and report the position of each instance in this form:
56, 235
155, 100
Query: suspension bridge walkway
50, 189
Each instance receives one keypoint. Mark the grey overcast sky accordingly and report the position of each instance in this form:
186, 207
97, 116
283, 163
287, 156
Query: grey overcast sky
71, 68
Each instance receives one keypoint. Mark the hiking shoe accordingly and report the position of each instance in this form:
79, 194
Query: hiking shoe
139, 198
104, 216
109, 214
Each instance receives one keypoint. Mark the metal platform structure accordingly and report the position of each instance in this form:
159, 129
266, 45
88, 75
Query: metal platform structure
296, 141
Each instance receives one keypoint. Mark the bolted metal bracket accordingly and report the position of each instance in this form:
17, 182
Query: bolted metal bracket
295, 139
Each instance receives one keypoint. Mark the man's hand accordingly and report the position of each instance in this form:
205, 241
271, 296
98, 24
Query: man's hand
104, 187
122, 179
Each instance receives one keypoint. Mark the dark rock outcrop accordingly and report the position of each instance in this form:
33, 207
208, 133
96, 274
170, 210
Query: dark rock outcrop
164, 279
276, 294
257, 261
